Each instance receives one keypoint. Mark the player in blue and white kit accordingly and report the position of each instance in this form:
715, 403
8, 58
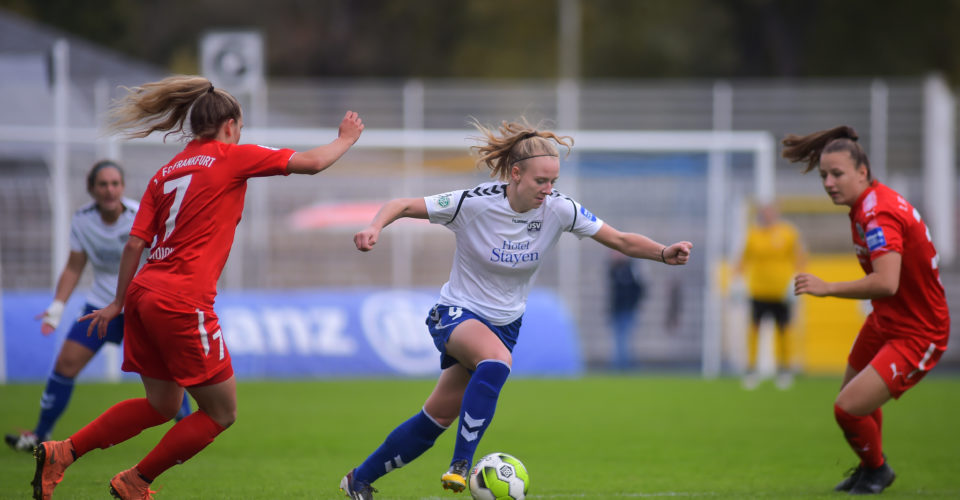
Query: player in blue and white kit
504, 229
98, 232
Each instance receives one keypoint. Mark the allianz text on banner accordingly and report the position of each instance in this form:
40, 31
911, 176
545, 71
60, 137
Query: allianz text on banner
321, 333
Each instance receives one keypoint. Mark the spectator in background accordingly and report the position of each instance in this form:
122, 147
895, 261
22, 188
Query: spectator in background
772, 254
98, 231
627, 289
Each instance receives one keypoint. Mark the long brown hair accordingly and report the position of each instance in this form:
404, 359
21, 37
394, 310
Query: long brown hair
514, 142
165, 105
809, 148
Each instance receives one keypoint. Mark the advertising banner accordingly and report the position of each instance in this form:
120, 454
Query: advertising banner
317, 333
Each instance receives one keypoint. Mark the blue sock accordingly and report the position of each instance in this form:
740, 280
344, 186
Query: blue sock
405, 443
184, 408
54, 401
479, 403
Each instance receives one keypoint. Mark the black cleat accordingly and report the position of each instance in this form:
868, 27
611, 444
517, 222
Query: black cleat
853, 475
873, 481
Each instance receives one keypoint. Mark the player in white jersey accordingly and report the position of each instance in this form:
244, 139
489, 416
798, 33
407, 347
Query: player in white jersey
504, 229
98, 232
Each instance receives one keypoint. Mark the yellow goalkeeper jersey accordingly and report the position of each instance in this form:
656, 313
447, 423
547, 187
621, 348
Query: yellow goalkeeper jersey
771, 256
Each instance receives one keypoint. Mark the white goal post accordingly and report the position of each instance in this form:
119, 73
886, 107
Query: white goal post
716, 144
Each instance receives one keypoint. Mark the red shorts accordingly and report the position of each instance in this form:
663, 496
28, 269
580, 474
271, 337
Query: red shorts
168, 339
900, 361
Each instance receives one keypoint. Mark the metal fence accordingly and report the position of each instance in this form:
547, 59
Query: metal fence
659, 195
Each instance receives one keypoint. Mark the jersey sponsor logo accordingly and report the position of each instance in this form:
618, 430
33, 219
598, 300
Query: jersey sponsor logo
514, 253
160, 253
519, 221
534, 226
875, 239
586, 213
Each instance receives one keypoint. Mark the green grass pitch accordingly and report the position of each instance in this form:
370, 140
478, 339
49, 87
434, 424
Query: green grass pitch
591, 438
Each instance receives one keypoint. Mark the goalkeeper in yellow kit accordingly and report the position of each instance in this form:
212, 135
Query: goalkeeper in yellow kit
772, 255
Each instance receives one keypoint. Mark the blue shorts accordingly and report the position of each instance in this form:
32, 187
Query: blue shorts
79, 331
442, 320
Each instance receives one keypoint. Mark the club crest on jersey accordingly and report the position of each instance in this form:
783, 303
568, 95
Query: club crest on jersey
534, 226
875, 239
443, 200
586, 213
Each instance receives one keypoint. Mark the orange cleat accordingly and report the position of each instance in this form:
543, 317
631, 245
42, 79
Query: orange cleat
128, 485
52, 457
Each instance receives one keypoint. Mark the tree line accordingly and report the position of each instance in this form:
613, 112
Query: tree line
519, 38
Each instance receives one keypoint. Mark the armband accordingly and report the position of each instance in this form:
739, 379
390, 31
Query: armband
53, 313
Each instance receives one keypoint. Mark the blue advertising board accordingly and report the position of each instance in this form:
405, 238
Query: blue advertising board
317, 333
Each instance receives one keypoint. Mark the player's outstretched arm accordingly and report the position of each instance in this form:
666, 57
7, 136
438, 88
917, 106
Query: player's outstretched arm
884, 281
392, 210
317, 160
641, 247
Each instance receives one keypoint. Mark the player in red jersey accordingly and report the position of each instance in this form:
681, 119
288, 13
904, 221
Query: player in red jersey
906, 333
189, 211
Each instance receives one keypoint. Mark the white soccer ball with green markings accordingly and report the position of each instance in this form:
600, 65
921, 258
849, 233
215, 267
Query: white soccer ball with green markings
499, 476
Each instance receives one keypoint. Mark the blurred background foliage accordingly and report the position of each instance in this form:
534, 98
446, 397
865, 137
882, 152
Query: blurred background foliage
519, 38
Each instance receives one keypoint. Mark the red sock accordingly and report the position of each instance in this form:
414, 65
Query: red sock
119, 423
863, 435
877, 416
181, 442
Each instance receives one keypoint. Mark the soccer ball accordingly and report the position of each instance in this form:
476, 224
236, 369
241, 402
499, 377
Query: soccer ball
499, 476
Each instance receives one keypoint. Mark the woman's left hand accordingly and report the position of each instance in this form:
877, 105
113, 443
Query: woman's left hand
101, 318
810, 284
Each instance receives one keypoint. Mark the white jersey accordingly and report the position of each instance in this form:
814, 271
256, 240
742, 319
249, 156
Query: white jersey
103, 244
499, 250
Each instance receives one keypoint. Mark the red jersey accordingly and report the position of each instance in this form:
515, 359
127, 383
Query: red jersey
192, 207
883, 221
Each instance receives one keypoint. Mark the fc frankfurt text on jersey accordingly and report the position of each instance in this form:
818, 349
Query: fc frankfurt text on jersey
202, 160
